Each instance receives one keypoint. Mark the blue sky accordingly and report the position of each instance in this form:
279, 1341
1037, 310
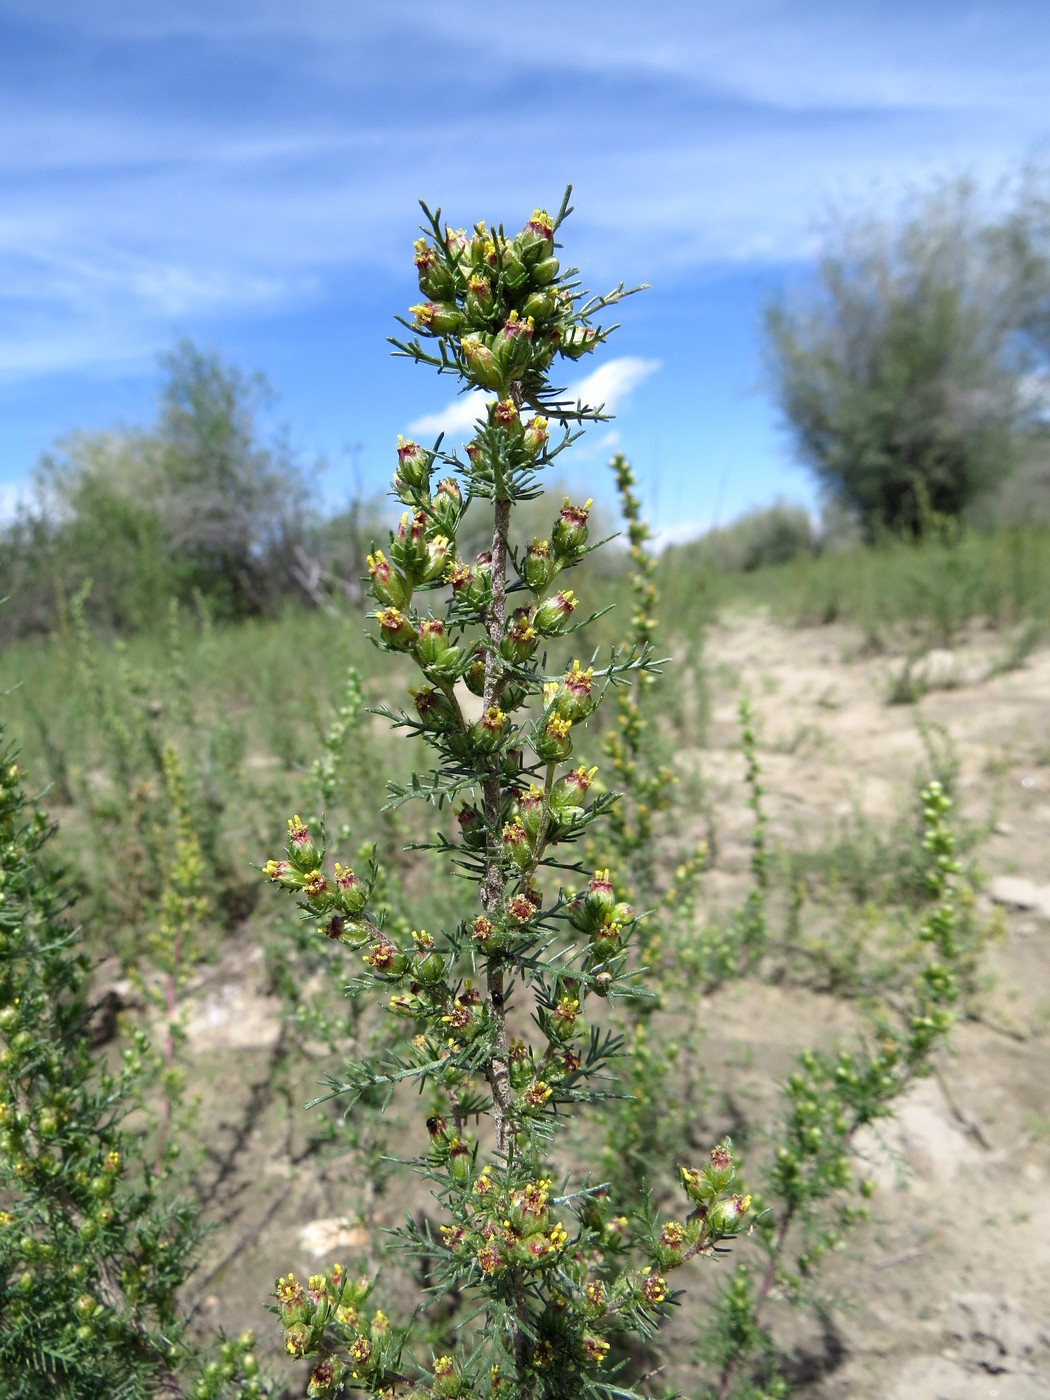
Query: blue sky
246, 173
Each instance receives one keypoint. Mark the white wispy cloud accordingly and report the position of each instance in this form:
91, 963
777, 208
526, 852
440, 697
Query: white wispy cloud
136, 205
716, 162
609, 386
456, 419
612, 383
202, 168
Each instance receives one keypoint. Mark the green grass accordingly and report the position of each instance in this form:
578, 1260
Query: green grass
246, 706
929, 589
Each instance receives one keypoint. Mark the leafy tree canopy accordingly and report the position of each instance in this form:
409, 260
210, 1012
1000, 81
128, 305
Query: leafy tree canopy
905, 370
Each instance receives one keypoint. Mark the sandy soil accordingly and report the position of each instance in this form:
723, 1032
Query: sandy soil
946, 1295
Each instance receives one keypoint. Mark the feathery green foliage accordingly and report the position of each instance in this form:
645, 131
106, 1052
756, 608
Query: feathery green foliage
551, 1276
92, 1254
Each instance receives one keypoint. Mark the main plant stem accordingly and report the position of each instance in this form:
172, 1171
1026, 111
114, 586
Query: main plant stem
494, 889
493, 893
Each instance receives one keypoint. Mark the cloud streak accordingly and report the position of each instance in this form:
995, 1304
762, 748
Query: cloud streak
610, 386
246, 173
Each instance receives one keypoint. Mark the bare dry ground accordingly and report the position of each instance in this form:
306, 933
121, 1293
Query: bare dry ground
945, 1296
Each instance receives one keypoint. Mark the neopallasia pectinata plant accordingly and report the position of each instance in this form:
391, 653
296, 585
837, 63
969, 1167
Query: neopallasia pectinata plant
501, 1012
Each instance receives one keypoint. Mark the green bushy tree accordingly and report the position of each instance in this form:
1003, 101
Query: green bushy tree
206, 502
902, 373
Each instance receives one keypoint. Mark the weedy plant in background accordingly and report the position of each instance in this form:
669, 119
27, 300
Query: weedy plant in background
92, 1253
497, 1010
813, 1183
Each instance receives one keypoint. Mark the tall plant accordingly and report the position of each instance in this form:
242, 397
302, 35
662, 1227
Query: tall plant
497, 1009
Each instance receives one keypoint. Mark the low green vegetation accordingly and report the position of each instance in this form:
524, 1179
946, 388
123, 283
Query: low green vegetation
897, 591
571, 1153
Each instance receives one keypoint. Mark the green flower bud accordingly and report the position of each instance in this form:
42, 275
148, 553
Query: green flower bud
481, 249
554, 616
593, 908
431, 969
574, 698
297, 1340
531, 810
564, 1021
568, 794
436, 279
386, 959
353, 892
488, 733
481, 364
409, 546
605, 942
516, 844
459, 1162
720, 1172
395, 631
520, 642
437, 558
447, 506
302, 851
570, 531
578, 341
458, 244
284, 873
541, 304
388, 586
513, 759
445, 667
504, 414
480, 299
431, 641
536, 435
316, 887
542, 273
438, 317
472, 585
729, 1217
552, 739
474, 678
538, 566
536, 239
413, 465
436, 711
513, 346
512, 266
697, 1186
